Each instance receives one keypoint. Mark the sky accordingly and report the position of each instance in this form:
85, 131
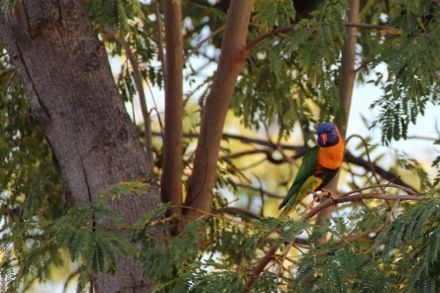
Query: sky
420, 149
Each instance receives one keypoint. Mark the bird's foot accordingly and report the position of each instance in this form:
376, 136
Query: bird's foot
324, 193
328, 193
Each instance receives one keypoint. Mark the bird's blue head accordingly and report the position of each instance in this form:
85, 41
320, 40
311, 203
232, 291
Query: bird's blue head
328, 134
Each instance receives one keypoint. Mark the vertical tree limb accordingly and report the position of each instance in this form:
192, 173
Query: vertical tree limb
346, 84
233, 54
159, 35
348, 73
171, 181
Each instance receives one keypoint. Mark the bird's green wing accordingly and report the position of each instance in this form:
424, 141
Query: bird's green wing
306, 170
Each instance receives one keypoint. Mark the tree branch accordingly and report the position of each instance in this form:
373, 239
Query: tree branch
238, 211
159, 35
260, 265
349, 157
233, 55
261, 190
359, 197
171, 181
302, 150
211, 35
347, 72
138, 80
380, 28
383, 29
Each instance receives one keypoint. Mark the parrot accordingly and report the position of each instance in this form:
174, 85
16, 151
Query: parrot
318, 167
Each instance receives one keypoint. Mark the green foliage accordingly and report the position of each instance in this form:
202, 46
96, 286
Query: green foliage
411, 244
336, 269
30, 187
178, 253
411, 164
7, 6
274, 13
412, 82
117, 191
91, 234
436, 164
115, 13
86, 231
291, 76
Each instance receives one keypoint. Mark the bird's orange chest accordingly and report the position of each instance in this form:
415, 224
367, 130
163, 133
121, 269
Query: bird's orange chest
331, 157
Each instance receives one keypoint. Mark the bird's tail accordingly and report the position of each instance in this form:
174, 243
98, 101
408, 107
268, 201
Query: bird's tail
287, 209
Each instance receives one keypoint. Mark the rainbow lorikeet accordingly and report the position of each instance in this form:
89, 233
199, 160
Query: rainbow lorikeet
319, 166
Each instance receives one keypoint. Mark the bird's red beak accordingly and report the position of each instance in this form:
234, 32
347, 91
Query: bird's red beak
324, 138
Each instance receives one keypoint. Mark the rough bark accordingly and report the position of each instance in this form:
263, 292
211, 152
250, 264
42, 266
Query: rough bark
232, 56
171, 182
74, 100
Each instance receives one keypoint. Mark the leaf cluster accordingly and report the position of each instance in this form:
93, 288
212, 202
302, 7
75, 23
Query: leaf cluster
290, 74
412, 61
115, 13
411, 245
30, 186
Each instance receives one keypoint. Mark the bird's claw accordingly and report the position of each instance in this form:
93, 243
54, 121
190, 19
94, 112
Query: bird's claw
328, 193
324, 193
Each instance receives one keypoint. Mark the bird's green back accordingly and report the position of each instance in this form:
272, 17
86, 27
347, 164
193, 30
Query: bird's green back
306, 170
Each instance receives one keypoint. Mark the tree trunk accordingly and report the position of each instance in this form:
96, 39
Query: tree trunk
74, 100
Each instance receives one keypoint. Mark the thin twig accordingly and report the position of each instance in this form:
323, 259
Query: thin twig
159, 35
382, 185
261, 264
381, 28
359, 197
161, 54
206, 215
301, 151
278, 31
260, 189
364, 64
138, 80
210, 36
239, 211
367, 152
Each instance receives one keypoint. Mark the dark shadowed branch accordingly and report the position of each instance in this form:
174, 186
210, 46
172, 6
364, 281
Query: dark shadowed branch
299, 152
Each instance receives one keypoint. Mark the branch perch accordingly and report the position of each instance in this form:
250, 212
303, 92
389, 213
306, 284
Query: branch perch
359, 197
